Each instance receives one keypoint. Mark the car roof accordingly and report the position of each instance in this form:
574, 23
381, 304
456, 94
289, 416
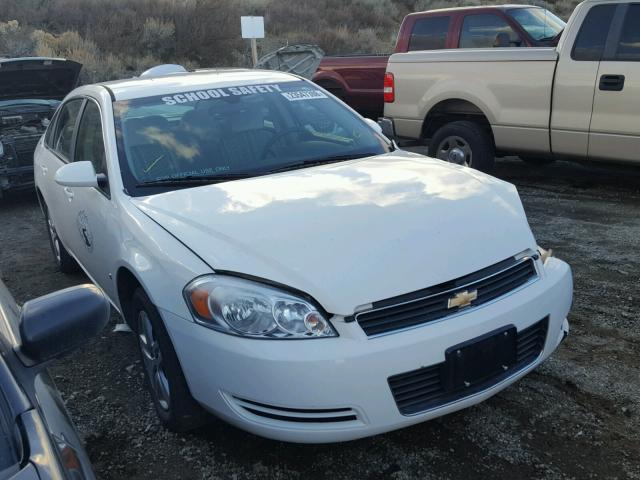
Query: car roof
477, 7
139, 87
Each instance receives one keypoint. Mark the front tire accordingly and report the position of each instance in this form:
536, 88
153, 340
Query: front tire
65, 262
464, 143
175, 406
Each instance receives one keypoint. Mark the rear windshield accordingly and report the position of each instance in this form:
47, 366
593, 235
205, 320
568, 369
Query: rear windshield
539, 23
234, 131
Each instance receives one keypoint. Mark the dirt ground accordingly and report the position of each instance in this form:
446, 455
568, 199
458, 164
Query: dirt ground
576, 416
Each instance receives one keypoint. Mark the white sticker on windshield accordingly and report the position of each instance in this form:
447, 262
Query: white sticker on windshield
303, 95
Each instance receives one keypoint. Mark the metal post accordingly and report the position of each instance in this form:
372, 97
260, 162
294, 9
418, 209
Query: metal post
254, 51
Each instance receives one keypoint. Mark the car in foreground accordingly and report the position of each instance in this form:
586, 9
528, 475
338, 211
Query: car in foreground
37, 438
359, 79
577, 101
31, 90
284, 265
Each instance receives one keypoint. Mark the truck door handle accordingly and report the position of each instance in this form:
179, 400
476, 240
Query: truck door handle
69, 193
612, 83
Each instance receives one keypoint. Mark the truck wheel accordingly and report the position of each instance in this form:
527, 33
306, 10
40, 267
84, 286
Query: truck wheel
65, 262
464, 143
173, 402
538, 160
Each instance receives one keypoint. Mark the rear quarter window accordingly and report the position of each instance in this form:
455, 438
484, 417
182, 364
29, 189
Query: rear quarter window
429, 33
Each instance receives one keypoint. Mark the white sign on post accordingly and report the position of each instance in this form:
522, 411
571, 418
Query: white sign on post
252, 27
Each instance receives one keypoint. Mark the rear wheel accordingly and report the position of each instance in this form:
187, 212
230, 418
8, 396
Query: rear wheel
464, 143
172, 399
65, 262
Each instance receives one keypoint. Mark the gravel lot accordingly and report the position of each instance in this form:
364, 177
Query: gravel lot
577, 416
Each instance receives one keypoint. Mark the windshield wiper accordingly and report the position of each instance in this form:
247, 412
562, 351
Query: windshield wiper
195, 180
322, 161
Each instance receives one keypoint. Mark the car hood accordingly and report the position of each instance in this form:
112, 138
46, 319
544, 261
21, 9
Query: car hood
352, 233
36, 77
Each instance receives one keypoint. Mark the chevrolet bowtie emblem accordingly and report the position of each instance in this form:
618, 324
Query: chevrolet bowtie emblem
462, 299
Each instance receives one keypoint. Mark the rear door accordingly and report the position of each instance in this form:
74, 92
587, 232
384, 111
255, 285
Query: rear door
615, 123
57, 152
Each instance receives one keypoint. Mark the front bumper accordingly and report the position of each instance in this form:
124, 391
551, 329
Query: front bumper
16, 178
328, 390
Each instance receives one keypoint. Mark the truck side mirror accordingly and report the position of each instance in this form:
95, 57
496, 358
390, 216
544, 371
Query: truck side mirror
60, 322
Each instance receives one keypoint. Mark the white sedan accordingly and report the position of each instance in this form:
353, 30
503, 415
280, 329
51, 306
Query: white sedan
284, 265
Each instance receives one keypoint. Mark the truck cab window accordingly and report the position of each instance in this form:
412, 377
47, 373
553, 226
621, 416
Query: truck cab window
629, 45
592, 36
487, 31
429, 33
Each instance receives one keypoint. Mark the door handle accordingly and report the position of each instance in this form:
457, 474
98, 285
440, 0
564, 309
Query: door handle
69, 193
44, 169
612, 83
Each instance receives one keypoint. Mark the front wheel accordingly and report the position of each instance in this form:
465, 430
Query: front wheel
464, 143
173, 402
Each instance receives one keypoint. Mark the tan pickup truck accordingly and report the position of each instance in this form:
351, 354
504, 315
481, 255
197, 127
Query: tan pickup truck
580, 100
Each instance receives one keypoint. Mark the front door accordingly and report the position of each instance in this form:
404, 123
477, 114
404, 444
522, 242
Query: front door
615, 124
95, 230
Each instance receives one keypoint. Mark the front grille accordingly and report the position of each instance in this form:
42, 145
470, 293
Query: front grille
423, 389
24, 146
432, 304
297, 415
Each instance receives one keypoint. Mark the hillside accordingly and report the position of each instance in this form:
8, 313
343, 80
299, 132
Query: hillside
116, 38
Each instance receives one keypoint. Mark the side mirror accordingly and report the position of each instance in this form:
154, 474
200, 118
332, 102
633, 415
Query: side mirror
373, 124
77, 174
60, 322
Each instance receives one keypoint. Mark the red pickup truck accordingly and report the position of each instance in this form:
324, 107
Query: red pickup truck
359, 79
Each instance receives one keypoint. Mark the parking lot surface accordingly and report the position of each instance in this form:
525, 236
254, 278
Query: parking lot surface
576, 416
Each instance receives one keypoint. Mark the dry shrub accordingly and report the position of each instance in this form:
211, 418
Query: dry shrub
15, 39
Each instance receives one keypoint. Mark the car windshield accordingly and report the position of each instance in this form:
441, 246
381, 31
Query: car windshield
224, 133
539, 23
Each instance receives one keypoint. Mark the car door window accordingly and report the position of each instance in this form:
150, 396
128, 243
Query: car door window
429, 33
593, 33
65, 126
90, 143
629, 45
487, 31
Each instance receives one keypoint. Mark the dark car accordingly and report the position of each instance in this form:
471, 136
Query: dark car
359, 79
30, 91
37, 438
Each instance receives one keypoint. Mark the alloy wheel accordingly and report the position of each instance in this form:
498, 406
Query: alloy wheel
152, 359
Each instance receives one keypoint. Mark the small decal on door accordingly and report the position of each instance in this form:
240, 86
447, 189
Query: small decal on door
82, 222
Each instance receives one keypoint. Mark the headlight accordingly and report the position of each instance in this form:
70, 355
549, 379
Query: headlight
250, 309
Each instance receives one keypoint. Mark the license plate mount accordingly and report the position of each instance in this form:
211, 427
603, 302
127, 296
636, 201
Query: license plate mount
478, 360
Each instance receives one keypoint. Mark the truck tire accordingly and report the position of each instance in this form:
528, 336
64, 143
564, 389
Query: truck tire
175, 406
464, 143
